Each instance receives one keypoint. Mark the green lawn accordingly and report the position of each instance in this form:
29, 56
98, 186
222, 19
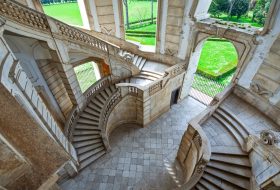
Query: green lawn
66, 12
144, 40
85, 75
246, 19
138, 10
217, 58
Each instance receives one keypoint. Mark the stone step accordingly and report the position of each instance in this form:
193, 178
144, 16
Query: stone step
199, 186
240, 160
86, 143
230, 129
104, 95
86, 132
144, 76
208, 184
85, 138
85, 127
92, 112
135, 59
89, 147
230, 150
108, 91
89, 116
142, 64
97, 102
113, 88
138, 61
152, 73
91, 159
233, 169
94, 107
218, 182
100, 98
241, 182
88, 154
235, 118
233, 123
87, 121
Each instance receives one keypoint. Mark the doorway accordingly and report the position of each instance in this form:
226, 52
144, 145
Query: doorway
174, 96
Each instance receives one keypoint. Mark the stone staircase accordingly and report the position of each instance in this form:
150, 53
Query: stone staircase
138, 61
229, 167
86, 137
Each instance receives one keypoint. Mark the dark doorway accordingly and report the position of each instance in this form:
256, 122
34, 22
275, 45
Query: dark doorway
174, 96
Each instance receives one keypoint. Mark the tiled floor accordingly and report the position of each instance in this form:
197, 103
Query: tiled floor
141, 158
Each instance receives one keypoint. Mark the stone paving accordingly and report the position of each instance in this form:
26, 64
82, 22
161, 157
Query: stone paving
141, 158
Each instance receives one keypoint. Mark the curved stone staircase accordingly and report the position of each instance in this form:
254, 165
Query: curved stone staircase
86, 135
229, 167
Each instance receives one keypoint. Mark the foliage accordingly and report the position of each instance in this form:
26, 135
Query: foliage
218, 7
260, 11
239, 8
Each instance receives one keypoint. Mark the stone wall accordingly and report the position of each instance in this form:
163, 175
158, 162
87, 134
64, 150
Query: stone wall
124, 112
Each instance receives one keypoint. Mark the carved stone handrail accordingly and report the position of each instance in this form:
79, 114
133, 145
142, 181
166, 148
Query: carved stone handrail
21, 80
195, 135
89, 93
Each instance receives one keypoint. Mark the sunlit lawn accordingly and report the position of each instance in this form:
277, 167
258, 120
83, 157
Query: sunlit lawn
66, 12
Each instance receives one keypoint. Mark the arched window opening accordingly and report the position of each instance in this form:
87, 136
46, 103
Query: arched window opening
87, 74
140, 21
216, 67
67, 11
240, 13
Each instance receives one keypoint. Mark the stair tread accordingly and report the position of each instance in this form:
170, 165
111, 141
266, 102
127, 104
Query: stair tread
85, 126
142, 63
218, 182
229, 113
89, 110
231, 150
89, 147
239, 181
152, 73
200, 186
231, 129
88, 161
241, 171
87, 121
89, 116
85, 132
90, 153
237, 160
108, 91
100, 98
208, 185
94, 107
85, 137
97, 102
234, 123
78, 145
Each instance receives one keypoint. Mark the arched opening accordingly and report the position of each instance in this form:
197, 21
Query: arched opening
214, 63
87, 74
140, 20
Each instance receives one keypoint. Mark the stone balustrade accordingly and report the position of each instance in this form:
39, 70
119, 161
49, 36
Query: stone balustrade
29, 92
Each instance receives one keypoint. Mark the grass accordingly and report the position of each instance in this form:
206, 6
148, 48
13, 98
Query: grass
217, 58
245, 19
138, 10
85, 75
144, 40
66, 12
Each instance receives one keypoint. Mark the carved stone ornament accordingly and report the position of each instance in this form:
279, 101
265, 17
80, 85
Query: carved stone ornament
270, 137
128, 57
257, 88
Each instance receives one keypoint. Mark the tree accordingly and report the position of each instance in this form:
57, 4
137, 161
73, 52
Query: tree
218, 7
238, 8
260, 11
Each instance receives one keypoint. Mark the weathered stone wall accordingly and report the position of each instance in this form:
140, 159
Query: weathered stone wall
124, 112
41, 152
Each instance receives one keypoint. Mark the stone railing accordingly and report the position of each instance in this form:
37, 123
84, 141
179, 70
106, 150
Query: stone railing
195, 149
265, 159
29, 92
89, 93
193, 154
